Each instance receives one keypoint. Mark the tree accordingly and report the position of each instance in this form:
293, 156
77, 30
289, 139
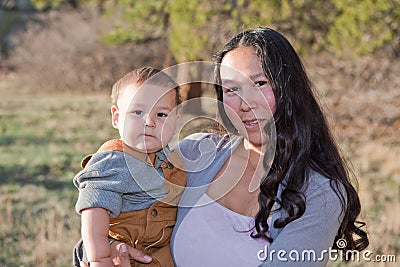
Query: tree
306, 23
137, 21
45, 5
361, 27
195, 29
190, 28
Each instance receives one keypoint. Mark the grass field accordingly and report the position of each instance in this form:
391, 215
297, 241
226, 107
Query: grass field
42, 142
44, 136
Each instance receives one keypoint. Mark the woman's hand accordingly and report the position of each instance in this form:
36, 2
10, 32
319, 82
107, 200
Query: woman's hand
122, 254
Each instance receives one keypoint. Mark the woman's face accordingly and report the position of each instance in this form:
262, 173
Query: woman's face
248, 98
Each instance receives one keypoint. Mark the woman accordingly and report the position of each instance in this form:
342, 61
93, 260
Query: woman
305, 202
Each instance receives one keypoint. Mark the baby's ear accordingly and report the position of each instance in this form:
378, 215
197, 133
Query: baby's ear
179, 111
114, 116
178, 115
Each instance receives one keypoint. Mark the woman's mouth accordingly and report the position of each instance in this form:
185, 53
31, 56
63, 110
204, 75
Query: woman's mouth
251, 124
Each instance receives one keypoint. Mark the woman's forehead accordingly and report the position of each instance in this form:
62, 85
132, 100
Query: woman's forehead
241, 63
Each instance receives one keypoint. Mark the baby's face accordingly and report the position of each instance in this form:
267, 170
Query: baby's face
146, 116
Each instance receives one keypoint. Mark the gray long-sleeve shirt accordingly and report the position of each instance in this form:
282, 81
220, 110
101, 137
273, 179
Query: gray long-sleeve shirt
118, 182
313, 232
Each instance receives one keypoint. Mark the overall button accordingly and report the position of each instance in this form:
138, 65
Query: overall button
154, 212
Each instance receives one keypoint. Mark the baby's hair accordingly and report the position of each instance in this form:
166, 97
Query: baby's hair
138, 76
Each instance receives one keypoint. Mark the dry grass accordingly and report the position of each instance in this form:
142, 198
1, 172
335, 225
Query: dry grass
37, 227
362, 100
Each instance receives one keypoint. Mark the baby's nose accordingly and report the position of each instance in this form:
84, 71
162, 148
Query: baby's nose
149, 121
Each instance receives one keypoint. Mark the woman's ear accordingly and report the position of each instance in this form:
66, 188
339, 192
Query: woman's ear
114, 116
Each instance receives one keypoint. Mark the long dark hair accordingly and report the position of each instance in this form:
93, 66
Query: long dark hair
303, 139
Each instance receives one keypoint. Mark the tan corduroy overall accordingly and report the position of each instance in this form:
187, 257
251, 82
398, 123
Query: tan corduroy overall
150, 230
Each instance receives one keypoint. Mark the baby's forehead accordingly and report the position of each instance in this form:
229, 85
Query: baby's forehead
161, 84
149, 93
153, 87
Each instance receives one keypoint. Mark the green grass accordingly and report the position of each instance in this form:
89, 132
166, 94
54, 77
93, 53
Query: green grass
43, 138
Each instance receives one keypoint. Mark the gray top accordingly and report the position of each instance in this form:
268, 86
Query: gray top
309, 236
119, 182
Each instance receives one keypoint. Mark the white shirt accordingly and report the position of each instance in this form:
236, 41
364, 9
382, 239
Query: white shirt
213, 235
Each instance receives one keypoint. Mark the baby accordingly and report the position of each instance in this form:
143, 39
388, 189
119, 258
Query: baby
129, 189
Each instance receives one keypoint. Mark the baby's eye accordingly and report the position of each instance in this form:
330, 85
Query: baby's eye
162, 114
138, 112
231, 89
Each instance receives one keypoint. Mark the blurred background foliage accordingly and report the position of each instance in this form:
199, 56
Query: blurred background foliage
347, 27
179, 31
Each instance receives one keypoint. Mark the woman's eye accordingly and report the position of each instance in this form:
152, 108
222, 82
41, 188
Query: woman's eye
138, 112
260, 83
162, 114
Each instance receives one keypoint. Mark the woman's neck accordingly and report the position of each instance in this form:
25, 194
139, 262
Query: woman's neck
236, 185
253, 148
253, 157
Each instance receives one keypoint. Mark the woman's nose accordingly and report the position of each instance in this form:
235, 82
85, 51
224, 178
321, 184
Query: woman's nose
248, 100
244, 106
